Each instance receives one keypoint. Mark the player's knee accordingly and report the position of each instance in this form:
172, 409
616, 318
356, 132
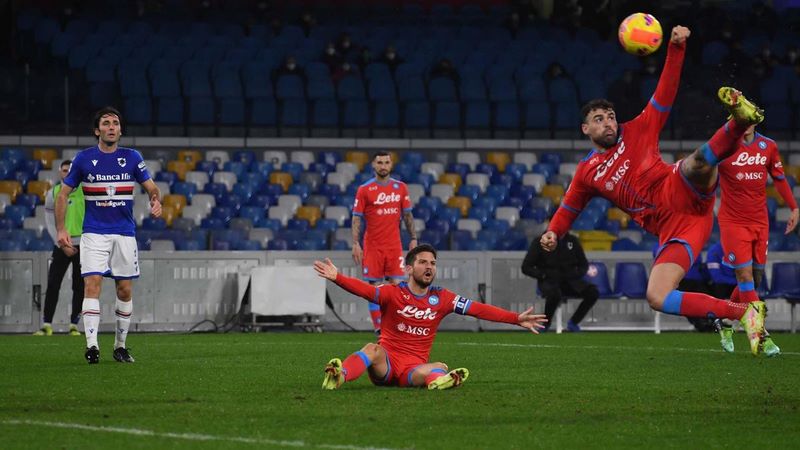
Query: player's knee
124, 292
371, 350
656, 294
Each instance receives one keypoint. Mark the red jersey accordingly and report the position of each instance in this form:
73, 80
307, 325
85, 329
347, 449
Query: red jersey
409, 322
631, 173
743, 181
382, 206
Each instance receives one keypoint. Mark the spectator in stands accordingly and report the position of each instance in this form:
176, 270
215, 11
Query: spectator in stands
391, 58
345, 46
331, 57
289, 67
307, 22
62, 258
364, 58
625, 92
560, 274
344, 70
445, 68
513, 23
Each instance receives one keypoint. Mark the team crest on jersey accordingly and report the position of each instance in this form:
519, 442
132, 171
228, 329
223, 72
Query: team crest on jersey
365, 270
731, 257
121, 162
111, 189
762, 145
593, 161
569, 245
90, 177
433, 300
396, 186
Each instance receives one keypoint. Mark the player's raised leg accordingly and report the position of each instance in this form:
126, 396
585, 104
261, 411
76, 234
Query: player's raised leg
371, 357
700, 167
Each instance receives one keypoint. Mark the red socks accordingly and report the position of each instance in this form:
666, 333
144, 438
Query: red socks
695, 304
435, 373
723, 143
355, 365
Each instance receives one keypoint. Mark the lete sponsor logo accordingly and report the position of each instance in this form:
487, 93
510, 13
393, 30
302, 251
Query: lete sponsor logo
603, 168
384, 198
412, 312
745, 159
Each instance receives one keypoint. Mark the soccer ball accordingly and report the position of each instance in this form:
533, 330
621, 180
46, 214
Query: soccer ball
640, 34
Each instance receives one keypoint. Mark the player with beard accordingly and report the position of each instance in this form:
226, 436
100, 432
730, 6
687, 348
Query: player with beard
674, 202
381, 202
411, 313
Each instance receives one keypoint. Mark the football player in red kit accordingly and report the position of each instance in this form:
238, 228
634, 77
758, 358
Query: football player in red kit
674, 202
743, 221
411, 313
381, 203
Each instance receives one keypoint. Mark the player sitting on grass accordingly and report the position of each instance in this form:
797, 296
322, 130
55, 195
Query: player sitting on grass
411, 312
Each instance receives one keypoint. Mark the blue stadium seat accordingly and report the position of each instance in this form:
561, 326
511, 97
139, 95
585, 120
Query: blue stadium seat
138, 110
786, 280
201, 111
327, 225
351, 88
472, 88
232, 111
411, 89
154, 223
170, 111
630, 280
294, 113
186, 189
325, 113
298, 224
537, 115
477, 115
432, 237
386, 114
432, 203
381, 89
442, 89
264, 112
625, 245
447, 114
289, 87
321, 89
355, 113
17, 214
598, 276
507, 115
255, 77
417, 115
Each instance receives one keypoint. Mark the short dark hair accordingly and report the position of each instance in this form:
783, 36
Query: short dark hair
412, 254
102, 112
598, 103
65, 162
380, 153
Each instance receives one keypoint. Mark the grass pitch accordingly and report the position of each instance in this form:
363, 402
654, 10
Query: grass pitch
589, 390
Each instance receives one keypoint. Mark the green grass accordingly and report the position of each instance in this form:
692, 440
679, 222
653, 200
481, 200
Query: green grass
590, 390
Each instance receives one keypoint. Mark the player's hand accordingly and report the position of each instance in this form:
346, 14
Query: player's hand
531, 321
358, 254
155, 207
69, 251
549, 241
679, 34
412, 243
792, 222
64, 242
326, 269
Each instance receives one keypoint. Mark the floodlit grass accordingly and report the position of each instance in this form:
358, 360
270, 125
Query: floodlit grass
262, 390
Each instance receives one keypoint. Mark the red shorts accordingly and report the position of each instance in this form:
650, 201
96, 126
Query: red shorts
399, 373
684, 216
380, 263
744, 245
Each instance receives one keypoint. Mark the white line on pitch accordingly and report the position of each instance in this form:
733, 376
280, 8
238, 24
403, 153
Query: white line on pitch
601, 347
184, 436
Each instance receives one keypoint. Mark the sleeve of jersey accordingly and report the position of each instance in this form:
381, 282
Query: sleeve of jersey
779, 178
358, 206
406, 199
73, 178
357, 287
140, 173
571, 206
483, 311
660, 104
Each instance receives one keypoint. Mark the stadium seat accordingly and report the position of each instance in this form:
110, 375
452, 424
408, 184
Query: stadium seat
190, 156
310, 213
554, 192
282, 178
176, 201
597, 274
338, 213
618, 215
38, 188
630, 280
12, 188
46, 156
463, 204
180, 168
359, 158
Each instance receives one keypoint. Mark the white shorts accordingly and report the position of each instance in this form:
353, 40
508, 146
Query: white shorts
109, 255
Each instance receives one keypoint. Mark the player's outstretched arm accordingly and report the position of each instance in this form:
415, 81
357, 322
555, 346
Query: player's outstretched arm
526, 319
327, 270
